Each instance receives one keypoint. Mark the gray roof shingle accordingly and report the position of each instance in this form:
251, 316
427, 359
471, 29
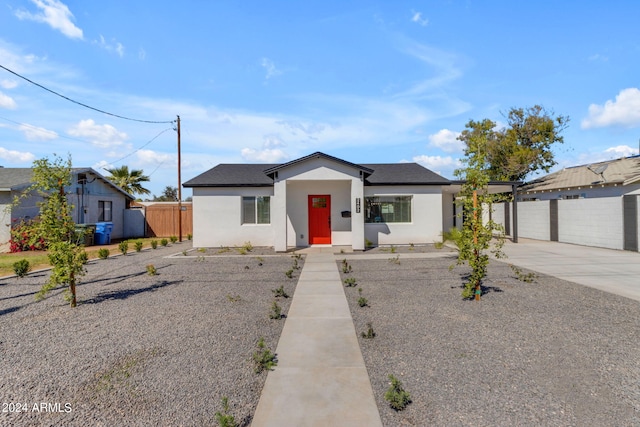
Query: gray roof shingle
255, 175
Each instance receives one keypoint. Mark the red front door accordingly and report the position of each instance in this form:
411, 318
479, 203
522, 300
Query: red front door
320, 219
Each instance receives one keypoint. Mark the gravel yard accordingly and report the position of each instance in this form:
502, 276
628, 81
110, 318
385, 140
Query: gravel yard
545, 353
141, 350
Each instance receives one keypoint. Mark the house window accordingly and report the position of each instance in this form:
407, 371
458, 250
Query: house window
388, 209
104, 210
256, 210
571, 196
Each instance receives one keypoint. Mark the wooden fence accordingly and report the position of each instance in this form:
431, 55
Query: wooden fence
162, 220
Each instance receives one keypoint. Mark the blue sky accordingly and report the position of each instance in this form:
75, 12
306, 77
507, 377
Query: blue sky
255, 81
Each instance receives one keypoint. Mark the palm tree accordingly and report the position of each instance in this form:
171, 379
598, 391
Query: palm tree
130, 182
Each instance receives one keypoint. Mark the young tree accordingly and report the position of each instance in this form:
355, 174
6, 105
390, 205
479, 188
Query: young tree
56, 223
129, 181
476, 237
523, 146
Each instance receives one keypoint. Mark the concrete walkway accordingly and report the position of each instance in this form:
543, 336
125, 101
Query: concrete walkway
320, 379
609, 270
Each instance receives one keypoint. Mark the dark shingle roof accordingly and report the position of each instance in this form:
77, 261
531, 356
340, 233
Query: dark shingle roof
402, 174
233, 175
256, 175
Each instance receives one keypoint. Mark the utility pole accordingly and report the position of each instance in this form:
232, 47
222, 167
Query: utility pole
179, 185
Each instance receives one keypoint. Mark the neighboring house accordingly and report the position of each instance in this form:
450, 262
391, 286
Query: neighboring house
319, 200
95, 199
594, 205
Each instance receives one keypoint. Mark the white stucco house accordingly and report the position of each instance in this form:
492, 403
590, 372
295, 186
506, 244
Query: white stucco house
319, 200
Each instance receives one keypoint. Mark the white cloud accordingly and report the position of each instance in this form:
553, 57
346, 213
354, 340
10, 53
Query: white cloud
270, 68
447, 141
102, 165
438, 164
7, 102
103, 136
621, 151
13, 156
266, 155
154, 158
54, 13
273, 141
35, 133
8, 84
113, 46
598, 57
624, 111
418, 19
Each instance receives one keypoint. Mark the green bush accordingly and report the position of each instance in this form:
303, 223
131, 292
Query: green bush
151, 270
280, 292
154, 244
189, 236
224, 418
138, 245
124, 247
103, 253
397, 397
21, 268
276, 311
164, 242
264, 358
83, 257
173, 239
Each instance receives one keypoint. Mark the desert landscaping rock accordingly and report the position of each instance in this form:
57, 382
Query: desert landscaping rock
139, 349
544, 353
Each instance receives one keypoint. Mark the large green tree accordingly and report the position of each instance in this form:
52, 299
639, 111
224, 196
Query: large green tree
523, 146
169, 194
129, 181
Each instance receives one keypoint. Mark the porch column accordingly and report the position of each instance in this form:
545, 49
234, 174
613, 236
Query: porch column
357, 214
279, 211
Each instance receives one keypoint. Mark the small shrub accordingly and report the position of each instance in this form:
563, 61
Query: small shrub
397, 397
22, 267
523, 277
370, 334
264, 359
124, 247
223, 249
395, 260
164, 242
224, 418
189, 236
248, 246
103, 253
346, 267
438, 245
280, 292
411, 246
173, 239
154, 244
289, 273
83, 257
241, 250
202, 250
151, 270
234, 298
184, 253
25, 236
276, 311
295, 264
368, 243
350, 282
138, 245
362, 302
393, 249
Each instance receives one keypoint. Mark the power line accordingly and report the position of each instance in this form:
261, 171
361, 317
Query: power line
142, 146
80, 103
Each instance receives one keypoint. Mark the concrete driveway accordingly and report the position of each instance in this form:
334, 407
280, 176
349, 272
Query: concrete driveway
613, 271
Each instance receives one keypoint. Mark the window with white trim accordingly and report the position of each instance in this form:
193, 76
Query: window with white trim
256, 210
387, 209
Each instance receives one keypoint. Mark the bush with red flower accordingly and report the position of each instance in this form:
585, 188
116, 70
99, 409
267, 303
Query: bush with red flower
25, 236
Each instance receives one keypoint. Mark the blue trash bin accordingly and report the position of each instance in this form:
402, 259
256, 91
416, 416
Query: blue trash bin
102, 235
